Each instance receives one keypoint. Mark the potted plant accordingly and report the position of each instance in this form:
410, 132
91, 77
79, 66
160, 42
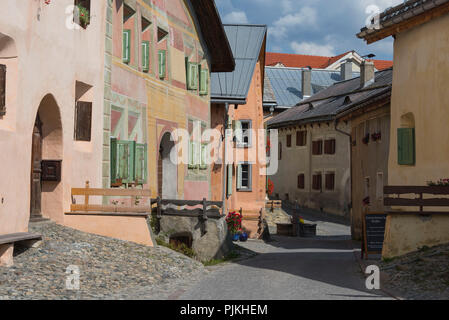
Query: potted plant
243, 236
365, 140
234, 222
82, 15
270, 187
376, 136
439, 183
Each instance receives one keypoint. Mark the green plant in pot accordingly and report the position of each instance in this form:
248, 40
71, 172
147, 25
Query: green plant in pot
82, 15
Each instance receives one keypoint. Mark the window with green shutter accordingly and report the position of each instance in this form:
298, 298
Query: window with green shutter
194, 154
122, 161
162, 58
141, 163
406, 146
204, 81
192, 75
145, 56
126, 46
244, 177
204, 157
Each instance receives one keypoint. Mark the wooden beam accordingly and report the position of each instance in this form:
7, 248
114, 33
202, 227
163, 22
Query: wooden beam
111, 192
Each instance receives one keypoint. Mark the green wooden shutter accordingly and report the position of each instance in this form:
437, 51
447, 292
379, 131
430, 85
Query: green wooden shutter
204, 81
203, 164
192, 76
191, 155
162, 54
196, 154
145, 56
126, 164
229, 184
406, 146
126, 46
238, 132
113, 160
141, 163
239, 177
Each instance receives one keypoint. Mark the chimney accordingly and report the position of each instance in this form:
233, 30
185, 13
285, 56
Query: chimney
366, 73
306, 83
346, 70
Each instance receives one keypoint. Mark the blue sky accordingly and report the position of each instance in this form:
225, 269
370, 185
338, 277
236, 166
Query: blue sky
315, 27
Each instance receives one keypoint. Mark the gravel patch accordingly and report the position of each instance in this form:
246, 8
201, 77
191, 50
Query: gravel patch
109, 268
421, 275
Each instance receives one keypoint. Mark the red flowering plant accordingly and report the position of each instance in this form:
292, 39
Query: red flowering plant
268, 146
270, 187
439, 183
234, 221
376, 136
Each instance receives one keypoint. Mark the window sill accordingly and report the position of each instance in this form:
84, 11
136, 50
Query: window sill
244, 190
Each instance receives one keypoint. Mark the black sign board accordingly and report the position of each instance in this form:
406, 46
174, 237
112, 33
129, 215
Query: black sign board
373, 233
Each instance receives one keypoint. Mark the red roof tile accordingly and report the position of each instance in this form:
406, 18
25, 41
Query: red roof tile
317, 62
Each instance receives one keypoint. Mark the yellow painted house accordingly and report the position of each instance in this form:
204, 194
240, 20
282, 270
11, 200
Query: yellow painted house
161, 55
419, 146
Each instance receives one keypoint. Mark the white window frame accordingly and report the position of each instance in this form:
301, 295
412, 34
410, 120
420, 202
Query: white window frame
240, 188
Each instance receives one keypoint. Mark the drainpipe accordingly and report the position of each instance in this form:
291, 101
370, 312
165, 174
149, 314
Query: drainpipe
350, 164
225, 167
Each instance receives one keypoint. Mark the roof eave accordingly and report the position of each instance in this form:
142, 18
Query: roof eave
222, 59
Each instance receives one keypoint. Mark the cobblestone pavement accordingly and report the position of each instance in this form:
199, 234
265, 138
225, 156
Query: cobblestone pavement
421, 275
109, 268
291, 268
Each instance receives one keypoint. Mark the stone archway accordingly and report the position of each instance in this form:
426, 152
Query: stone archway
46, 196
167, 170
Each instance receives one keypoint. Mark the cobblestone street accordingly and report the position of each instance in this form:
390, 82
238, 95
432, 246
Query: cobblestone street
109, 268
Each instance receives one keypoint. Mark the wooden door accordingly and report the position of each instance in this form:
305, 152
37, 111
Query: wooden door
36, 170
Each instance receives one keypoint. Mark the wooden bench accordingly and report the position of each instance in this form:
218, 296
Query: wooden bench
419, 201
96, 209
7, 242
19, 237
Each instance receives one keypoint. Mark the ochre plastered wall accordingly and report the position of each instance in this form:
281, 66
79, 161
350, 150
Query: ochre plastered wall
421, 58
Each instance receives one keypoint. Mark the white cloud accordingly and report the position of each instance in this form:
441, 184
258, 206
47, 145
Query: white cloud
235, 17
287, 6
313, 49
306, 17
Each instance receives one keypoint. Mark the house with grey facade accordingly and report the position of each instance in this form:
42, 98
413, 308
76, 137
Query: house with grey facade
314, 148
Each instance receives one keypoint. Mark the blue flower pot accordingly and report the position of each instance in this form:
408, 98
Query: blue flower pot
236, 237
243, 237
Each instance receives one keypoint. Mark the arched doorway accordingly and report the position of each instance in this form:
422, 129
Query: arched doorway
167, 170
46, 196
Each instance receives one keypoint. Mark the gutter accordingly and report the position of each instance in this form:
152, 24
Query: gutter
350, 165
228, 100
225, 166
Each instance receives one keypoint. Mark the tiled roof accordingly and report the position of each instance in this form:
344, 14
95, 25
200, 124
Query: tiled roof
393, 16
286, 83
328, 103
315, 62
246, 43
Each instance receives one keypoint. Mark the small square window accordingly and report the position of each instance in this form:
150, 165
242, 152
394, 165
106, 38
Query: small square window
244, 179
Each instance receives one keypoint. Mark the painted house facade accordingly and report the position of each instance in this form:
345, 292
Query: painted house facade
161, 61
51, 115
238, 105
419, 151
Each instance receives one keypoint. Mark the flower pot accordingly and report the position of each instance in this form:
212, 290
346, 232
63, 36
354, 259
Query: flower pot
236, 237
243, 237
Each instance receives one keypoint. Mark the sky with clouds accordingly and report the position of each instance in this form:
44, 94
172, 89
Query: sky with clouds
315, 27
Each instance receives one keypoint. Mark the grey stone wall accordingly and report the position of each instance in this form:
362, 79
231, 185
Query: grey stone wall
215, 243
